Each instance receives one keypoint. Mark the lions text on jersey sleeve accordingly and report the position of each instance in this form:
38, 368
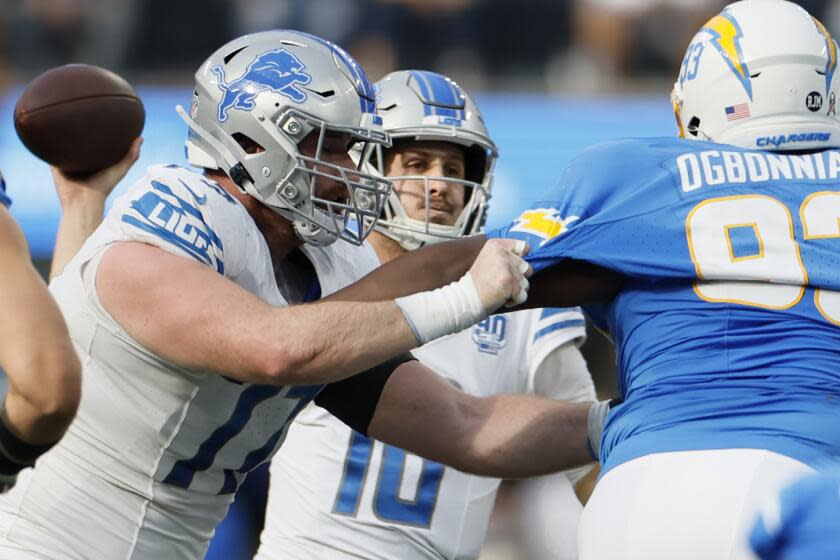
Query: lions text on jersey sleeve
156, 451
4, 198
338, 494
727, 328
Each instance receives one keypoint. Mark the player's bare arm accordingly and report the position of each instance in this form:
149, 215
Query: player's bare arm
566, 284
82, 202
423, 269
506, 436
198, 319
35, 350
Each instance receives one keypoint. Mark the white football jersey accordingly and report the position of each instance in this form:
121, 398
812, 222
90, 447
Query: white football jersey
335, 493
150, 464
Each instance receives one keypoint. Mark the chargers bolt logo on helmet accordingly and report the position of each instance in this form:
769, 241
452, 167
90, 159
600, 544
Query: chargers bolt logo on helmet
726, 38
277, 70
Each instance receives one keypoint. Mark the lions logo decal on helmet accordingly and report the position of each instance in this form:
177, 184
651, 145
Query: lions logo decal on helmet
277, 70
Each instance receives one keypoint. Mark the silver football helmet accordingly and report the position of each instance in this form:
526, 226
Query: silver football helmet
270, 91
422, 105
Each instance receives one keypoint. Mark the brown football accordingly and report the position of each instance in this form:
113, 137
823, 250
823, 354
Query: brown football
78, 117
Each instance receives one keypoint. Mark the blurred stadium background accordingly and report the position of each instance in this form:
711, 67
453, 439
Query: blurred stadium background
551, 77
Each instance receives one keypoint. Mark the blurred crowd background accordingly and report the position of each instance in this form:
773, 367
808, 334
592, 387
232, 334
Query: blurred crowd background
551, 76
579, 46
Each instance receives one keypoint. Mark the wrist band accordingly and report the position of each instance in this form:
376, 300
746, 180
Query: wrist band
443, 311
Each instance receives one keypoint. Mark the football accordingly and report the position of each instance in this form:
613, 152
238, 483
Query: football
78, 117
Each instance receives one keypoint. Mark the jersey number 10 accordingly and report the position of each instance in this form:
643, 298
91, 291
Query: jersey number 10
387, 504
771, 274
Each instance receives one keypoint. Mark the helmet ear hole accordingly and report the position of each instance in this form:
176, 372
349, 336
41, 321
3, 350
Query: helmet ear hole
693, 126
249, 145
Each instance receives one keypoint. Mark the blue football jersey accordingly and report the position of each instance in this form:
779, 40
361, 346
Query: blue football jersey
4, 198
803, 522
726, 330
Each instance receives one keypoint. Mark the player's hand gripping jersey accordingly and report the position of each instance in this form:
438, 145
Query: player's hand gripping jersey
338, 494
728, 327
156, 452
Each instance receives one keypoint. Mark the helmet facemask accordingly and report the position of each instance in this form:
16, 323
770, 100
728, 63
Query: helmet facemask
350, 214
469, 221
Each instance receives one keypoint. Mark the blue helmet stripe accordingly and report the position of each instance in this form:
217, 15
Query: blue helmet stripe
445, 93
367, 95
424, 90
459, 97
442, 90
437, 90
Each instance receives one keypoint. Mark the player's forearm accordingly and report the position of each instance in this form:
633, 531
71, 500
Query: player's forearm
44, 376
514, 436
35, 350
507, 436
368, 333
81, 215
329, 341
425, 269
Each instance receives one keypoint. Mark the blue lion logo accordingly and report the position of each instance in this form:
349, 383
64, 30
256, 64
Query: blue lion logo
278, 70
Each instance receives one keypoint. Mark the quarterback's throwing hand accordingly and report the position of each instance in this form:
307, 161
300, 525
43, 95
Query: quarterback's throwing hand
99, 184
501, 274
